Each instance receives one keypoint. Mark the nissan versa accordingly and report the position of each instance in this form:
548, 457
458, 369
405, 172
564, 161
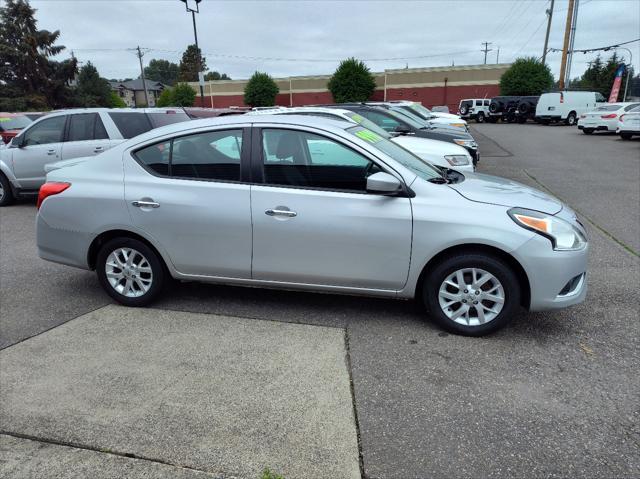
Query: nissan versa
300, 202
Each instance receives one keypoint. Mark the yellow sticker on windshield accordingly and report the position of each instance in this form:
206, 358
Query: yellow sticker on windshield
357, 118
5, 119
369, 136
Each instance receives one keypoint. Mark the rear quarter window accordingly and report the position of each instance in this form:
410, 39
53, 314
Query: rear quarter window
131, 124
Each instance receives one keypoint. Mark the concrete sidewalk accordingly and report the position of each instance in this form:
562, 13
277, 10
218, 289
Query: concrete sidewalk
221, 395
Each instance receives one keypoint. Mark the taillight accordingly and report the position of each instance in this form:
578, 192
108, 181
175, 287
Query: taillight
609, 116
50, 189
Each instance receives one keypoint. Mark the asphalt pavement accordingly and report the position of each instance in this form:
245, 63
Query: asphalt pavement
552, 395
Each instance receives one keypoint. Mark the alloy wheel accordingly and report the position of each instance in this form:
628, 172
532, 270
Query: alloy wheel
129, 272
471, 296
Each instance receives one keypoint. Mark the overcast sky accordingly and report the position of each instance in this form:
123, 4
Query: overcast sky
299, 37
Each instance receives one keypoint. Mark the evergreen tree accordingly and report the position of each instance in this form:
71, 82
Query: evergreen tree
28, 76
352, 81
260, 90
92, 91
526, 76
213, 76
191, 63
162, 71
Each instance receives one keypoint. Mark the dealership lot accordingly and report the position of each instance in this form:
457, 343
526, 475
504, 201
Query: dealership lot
554, 394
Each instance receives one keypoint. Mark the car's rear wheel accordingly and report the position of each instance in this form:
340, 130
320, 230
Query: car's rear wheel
480, 117
571, 119
587, 131
625, 136
6, 194
130, 271
471, 294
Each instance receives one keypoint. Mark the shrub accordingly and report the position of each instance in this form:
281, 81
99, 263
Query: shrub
180, 95
352, 81
116, 101
261, 90
526, 76
165, 98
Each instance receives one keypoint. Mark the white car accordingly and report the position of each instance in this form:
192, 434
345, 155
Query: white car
629, 124
604, 118
423, 114
440, 153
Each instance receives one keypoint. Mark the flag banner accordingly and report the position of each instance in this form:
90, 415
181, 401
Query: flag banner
617, 82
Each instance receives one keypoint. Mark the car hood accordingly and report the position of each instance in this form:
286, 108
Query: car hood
500, 191
49, 167
448, 116
427, 146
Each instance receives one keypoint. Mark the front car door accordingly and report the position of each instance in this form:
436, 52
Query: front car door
187, 195
40, 144
86, 136
314, 222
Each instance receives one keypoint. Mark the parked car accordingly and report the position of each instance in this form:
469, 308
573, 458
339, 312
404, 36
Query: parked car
566, 106
11, 124
419, 109
604, 118
440, 153
70, 134
475, 109
503, 108
629, 124
526, 108
299, 202
397, 123
423, 115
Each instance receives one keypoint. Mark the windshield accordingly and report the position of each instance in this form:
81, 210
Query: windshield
14, 122
404, 157
422, 110
368, 124
407, 117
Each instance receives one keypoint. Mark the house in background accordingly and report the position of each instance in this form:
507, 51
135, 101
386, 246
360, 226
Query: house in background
132, 91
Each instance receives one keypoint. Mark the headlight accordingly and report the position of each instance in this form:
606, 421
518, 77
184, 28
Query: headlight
563, 235
457, 160
466, 143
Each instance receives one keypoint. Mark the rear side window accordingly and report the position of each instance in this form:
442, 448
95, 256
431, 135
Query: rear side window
131, 124
478, 102
631, 107
213, 155
487, 102
86, 126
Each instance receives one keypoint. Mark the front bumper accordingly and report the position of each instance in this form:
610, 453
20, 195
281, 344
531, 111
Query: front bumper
557, 279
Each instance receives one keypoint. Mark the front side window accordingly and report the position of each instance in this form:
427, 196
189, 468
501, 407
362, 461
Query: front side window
297, 158
478, 102
46, 131
86, 126
213, 155
487, 102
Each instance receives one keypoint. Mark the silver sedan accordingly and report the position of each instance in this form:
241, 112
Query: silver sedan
310, 203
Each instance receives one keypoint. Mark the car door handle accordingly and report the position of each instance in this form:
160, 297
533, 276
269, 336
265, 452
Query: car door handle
287, 213
51, 152
98, 149
145, 204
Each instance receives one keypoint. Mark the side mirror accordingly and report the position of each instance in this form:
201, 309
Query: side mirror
383, 183
402, 129
16, 142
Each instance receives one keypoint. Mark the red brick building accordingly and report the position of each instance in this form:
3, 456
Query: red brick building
434, 86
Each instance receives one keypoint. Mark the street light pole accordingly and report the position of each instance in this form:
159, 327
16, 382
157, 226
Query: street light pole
195, 35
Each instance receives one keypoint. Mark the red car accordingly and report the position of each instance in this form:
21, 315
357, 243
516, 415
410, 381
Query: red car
11, 124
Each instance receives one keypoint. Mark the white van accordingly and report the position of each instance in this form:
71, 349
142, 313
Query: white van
566, 106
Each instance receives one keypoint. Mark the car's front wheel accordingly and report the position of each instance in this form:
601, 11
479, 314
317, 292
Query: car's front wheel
6, 195
130, 271
480, 117
471, 293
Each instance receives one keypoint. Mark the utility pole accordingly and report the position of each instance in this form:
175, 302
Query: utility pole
574, 24
546, 38
567, 35
486, 50
144, 81
498, 56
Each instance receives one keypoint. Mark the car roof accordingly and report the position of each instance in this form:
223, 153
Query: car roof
113, 110
301, 120
302, 109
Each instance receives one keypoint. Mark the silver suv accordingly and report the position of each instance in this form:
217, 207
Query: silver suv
70, 134
302, 202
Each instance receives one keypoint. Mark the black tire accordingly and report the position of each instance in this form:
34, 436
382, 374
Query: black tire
495, 107
491, 264
480, 117
464, 109
625, 136
6, 193
158, 272
587, 131
571, 119
524, 108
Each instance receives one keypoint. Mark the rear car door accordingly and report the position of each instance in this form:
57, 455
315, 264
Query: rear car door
40, 144
187, 194
86, 136
313, 220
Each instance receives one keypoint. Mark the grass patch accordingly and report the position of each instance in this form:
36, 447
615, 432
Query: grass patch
267, 474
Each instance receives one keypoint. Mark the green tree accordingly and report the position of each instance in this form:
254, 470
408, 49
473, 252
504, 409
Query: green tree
29, 78
92, 91
260, 90
116, 101
213, 76
191, 63
526, 76
165, 98
162, 71
352, 81
600, 75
